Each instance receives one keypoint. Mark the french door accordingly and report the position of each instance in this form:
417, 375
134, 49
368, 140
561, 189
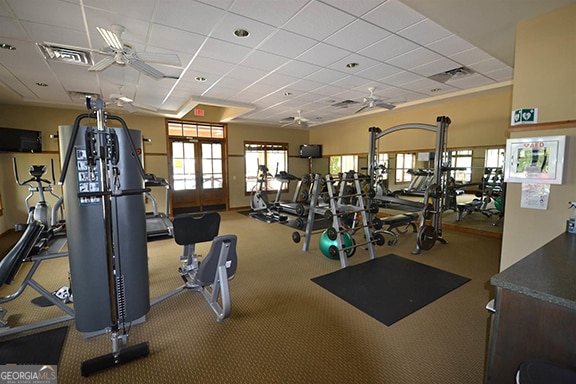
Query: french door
198, 175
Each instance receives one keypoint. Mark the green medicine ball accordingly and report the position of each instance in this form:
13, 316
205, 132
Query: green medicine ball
325, 244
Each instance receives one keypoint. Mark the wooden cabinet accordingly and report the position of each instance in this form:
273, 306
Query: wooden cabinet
535, 311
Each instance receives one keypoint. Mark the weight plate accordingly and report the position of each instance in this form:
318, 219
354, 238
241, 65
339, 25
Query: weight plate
379, 239
306, 180
377, 223
304, 195
328, 215
427, 237
300, 210
300, 223
332, 233
296, 237
374, 208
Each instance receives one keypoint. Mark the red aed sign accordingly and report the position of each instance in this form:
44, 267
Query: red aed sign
198, 112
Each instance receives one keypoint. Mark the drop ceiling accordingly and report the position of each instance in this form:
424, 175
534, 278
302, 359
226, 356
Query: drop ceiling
299, 54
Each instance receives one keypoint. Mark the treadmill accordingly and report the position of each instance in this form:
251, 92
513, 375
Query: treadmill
158, 223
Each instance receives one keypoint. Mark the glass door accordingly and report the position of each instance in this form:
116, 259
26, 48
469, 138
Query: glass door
197, 175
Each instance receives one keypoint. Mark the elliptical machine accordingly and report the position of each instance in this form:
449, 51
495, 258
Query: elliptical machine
259, 203
51, 218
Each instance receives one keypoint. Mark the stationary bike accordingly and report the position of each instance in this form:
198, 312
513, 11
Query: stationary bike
259, 203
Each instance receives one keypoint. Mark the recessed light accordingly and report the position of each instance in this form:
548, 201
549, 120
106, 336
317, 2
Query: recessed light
7, 46
200, 78
242, 33
352, 65
287, 93
41, 84
434, 90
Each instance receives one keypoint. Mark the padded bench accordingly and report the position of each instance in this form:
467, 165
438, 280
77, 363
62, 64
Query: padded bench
404, 220
468, 208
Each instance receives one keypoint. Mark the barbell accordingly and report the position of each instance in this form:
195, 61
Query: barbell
378, 240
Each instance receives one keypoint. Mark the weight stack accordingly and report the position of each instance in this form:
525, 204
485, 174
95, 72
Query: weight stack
87, 236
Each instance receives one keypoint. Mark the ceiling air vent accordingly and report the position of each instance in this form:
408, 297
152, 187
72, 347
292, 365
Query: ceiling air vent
65, 54
453, 74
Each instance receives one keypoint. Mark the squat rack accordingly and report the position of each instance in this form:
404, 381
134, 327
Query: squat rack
427, 234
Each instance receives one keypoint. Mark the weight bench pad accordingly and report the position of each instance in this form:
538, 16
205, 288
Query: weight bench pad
398, 220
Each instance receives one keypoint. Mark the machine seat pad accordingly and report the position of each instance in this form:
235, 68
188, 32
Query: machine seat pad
192, 228
208, 266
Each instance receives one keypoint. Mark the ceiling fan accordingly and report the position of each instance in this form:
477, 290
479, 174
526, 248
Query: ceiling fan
122, 101
298, 119
122, 53
374, 101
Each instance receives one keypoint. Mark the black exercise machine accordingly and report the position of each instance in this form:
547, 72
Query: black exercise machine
158, 223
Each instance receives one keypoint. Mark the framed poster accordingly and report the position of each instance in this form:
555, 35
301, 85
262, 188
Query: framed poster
535, 160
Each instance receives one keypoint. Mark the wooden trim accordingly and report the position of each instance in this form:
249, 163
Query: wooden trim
542, 126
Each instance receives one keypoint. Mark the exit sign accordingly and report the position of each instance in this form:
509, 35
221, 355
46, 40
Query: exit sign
198, 112
524, 116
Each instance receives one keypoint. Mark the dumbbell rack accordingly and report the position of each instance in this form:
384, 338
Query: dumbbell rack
312, 210
338, 208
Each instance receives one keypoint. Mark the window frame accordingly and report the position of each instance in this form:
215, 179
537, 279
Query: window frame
250, 181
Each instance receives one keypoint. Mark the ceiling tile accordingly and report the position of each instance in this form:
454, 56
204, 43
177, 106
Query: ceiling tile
298, 68
175, 39
424, 32
10, 28
276, 15
378, 71
318, 21
48, 33
326, 76
68, 14
503, 74
221, 50
388, 48
357, 35
231, 22
138, 9
450, 45
400, 78
393, 16
352, 82
414, 58
473, 81
323, 54
355, 7
188, 15
471, 56
287, 44
263, 60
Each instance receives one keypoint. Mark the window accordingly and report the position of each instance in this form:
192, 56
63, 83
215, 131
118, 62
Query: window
343, 163
462, 161
404, 162
272, 155
494, 158
384, 161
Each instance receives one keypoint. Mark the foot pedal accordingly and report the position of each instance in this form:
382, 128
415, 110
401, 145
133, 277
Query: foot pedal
125, 355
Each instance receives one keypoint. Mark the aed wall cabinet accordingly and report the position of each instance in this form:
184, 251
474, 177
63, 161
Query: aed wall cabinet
535, 160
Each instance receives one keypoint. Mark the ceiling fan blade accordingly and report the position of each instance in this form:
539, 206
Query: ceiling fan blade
102, 64
160, 58
303, 124
361, 109
110, 38
145, 68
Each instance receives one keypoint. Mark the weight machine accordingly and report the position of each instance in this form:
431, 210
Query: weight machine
428, 234
108, 248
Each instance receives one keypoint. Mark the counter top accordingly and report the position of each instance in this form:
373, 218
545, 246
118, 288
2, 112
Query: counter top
548, 273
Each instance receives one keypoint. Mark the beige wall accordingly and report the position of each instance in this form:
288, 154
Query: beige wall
478, 120
47, 121
544, 77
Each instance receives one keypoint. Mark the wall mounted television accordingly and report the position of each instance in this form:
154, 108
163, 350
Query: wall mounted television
20, 140
312, 151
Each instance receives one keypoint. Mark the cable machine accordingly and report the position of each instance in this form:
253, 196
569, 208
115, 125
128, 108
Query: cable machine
104, 190
428, 234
